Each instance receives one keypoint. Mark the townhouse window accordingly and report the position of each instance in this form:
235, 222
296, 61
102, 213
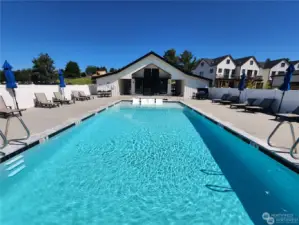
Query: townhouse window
283, 64
227, 61
251, 62
201, 73
226, 72
202, 64
211, 70
273, 73
219, 70
233, 72
243, 71
255, 73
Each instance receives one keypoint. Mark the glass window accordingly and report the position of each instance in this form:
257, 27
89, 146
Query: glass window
227, 61
255, 72
243, 71
283, 64
219, 70
273, 73
202, 64
251, 62
201, 73
233, 72
211, 70
298, 66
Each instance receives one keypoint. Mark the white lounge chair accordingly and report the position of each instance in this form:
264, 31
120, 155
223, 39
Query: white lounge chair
144, 101
151, 101
159, 101
135, 101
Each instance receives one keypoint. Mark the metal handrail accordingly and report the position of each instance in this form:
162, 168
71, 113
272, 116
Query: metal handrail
24, 126
5, 142
293, 148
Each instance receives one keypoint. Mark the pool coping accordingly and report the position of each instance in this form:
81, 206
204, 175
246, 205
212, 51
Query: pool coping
248, 138
41, 137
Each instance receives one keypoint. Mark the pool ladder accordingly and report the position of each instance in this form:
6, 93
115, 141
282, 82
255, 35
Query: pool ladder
293, 149
4, 136
15, 165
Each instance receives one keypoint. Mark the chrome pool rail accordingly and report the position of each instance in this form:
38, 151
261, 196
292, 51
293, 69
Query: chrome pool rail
4, 136
293, 149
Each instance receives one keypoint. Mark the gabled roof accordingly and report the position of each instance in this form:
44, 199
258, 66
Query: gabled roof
241, 61
146, 55
269, 64
215, 61
294, 62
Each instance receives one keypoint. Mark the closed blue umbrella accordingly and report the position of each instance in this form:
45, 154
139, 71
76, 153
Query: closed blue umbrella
286, 82
241, 85
9, 75
61, 79
10, 80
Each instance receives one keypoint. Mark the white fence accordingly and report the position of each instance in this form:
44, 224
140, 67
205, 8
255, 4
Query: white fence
290, 100
25, 93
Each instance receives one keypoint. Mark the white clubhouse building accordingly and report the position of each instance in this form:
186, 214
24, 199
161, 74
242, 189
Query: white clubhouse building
151, 74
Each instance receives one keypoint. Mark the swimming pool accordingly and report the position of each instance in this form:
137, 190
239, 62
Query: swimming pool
146, 165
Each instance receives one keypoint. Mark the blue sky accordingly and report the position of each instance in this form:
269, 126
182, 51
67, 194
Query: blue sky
113, 34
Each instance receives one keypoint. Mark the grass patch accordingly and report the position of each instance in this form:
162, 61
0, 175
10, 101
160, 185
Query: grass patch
81, 80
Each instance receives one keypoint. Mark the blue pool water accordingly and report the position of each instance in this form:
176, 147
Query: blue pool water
134, 165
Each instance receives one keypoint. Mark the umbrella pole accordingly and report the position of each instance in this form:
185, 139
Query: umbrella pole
280, 102
15, 98
240, 97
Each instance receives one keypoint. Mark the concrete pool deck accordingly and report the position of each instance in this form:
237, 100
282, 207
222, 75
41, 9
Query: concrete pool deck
42, 122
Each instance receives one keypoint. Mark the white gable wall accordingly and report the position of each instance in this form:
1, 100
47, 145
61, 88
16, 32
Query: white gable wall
278, 68
247, 67
205, 69
231, 66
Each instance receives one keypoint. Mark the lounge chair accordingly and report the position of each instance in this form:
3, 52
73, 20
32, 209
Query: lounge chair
135, 101
294, 115
265, 105
248, 102
159, 101
230, 100
144, 101
83, 95
151, 101
77, 97
61, 99
108, 93
42, 101
224, 97
7, 112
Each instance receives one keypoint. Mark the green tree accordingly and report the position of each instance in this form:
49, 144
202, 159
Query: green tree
187, 61
112, 70
268, 85
90, 70
43, 69
23, 76
72, 70
171, 57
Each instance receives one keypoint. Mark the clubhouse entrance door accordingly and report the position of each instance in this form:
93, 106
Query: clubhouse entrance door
151, 83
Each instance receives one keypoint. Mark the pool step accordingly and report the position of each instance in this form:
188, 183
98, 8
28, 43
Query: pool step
14, 159
15, 165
